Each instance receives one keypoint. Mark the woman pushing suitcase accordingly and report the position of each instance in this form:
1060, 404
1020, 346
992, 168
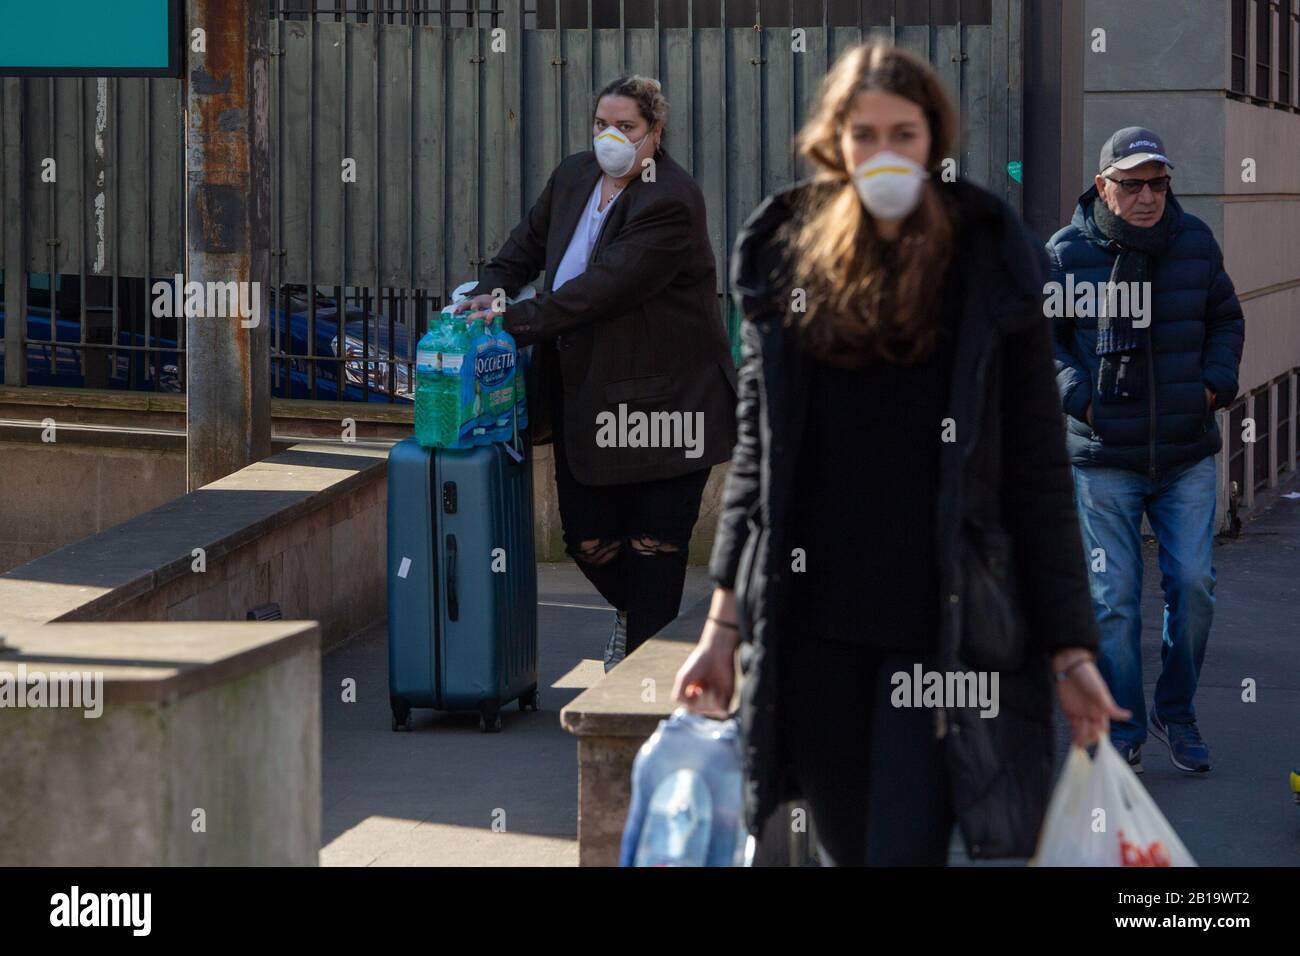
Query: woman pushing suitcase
631, 377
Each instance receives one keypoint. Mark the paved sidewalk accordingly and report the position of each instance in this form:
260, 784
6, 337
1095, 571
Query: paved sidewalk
1241, 813
431, 797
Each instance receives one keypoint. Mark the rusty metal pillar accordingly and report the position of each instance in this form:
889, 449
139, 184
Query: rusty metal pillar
227, 237
13, 220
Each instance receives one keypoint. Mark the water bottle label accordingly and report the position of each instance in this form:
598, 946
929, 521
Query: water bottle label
494, 364
451, 362
426, 360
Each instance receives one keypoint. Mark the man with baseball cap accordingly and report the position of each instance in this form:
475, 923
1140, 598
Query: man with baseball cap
1139, 385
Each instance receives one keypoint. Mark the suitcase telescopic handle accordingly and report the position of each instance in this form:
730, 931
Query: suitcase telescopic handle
514, 428
453, 604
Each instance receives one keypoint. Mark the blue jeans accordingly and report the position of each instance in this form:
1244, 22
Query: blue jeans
1180, 506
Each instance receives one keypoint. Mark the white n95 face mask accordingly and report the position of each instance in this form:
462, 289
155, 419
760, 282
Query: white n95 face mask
615, 152
889, 185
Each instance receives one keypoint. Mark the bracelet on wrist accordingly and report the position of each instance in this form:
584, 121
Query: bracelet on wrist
1065, 673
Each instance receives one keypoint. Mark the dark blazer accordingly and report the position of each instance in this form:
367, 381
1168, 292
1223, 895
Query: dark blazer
1013, 580
1197, 333
639, 328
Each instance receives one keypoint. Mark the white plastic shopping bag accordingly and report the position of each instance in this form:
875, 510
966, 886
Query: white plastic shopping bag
1101, 815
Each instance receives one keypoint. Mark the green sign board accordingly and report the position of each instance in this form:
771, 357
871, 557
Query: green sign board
90, 37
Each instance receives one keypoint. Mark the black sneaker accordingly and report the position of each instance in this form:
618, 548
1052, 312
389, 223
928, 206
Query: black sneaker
1187, 750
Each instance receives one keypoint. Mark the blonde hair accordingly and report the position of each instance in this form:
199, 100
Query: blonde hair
867, 297
648, 94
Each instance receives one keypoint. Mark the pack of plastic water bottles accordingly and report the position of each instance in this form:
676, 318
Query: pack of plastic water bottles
469, 382
687, 796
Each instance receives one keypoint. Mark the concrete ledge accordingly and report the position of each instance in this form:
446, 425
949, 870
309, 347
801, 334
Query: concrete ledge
117, 434
207, 750
305, 528
151, 662
167, 410
15, 431
175, 402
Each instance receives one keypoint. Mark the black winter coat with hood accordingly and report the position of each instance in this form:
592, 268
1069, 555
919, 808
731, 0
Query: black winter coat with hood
1013, 579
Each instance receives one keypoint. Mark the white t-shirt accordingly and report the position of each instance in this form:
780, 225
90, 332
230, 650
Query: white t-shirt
584, 238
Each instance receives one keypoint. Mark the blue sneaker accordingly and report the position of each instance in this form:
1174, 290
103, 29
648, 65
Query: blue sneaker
1132, 754
616, 646
1186, 748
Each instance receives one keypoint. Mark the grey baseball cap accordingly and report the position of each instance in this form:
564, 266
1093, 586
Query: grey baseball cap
1132, 146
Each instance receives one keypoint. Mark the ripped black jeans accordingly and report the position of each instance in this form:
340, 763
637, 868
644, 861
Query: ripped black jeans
631, 541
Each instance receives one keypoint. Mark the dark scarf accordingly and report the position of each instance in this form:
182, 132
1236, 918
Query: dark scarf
1120, 347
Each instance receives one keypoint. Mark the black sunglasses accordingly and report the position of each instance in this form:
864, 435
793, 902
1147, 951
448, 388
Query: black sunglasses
1134, 186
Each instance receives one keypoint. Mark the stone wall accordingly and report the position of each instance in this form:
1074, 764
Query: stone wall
306, 528
102, 477
207, 751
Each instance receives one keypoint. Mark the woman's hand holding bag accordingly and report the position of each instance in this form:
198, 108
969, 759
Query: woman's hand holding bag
1084, 697
1101, 815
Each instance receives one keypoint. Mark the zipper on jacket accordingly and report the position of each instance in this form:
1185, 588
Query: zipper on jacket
1114, 247
946, 603
1151, 390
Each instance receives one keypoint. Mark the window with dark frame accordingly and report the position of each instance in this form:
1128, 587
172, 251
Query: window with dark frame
1286, 27
1263, 49
1238, 79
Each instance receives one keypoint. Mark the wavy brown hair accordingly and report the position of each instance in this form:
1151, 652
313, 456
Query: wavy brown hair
868, 298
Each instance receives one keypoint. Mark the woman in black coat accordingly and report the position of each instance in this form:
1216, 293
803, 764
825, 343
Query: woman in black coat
632, 373
899, 506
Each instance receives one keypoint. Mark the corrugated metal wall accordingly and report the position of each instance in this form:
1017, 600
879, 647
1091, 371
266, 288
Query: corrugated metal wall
453, 136
113, 198
452, 140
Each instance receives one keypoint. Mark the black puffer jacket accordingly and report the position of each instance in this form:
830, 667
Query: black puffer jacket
1013, 580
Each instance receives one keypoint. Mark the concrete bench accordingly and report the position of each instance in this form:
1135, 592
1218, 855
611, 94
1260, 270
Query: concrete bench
206, 750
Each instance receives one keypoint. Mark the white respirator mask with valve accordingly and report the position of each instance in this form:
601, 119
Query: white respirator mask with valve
615, 152
889, 185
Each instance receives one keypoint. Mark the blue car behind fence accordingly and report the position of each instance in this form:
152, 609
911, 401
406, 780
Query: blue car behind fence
389, 381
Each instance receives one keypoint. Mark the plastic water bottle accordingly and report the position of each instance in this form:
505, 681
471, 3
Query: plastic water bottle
687, 796
519, 404
494, 362
521, 400
428, 372
455, 370
678, 822
454, 343
472, 428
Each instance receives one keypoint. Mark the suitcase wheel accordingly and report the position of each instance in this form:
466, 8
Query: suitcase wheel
530, 700
490, 723
401, 715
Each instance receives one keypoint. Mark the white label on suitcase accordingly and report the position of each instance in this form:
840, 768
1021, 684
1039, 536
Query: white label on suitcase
404, 567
